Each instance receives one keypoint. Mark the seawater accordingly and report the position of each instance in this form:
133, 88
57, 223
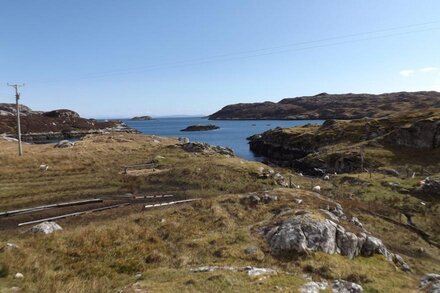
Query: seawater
232, 133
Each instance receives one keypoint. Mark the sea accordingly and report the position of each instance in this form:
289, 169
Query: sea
232, 133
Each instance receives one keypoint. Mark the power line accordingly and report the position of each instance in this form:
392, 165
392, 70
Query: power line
298, 46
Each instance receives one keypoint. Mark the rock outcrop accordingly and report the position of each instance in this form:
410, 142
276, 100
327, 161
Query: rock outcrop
338, 286
200, 147
315, 149
329, 106
305, 233
430, 283
53, 125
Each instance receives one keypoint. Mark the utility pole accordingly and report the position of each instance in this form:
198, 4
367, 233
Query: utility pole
17, 97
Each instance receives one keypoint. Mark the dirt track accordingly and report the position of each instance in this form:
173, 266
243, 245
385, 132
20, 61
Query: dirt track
135, 204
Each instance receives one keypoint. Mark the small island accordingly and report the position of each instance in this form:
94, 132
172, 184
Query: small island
141, 118
201, 127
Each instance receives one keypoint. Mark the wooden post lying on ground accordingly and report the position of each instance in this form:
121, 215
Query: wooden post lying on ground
73, 214
56, 205
169, 203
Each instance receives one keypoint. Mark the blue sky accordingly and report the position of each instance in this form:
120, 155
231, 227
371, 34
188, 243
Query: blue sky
123, 58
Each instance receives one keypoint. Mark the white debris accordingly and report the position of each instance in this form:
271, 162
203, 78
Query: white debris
44, 167
18, 276
316, 188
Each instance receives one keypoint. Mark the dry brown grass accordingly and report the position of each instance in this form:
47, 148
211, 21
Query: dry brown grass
92, 168
164, 244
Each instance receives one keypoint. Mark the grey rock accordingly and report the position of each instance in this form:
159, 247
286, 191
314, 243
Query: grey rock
255, 272
373, 246
251, 271
302, 234
342, 286
200, 147
430, 283
9, 247
347, 243
398, 260
64, 144
251, 200
46, 228
250, 250
183, 139
332, 216
355, 221
431, 186
337, 210
269, 198
313, 287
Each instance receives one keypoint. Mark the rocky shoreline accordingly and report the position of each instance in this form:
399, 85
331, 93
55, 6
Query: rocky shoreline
39, 126
349, 146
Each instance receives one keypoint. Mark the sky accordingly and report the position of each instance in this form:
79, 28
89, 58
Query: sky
117, 59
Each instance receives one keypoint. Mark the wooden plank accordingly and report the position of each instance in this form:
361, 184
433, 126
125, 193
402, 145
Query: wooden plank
169, 203
73, 214
56, 205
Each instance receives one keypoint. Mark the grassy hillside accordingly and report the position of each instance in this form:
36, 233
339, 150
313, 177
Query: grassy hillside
332, 106
137, 250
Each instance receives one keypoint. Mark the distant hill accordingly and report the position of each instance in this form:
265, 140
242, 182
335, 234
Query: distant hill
62, 123
331, 106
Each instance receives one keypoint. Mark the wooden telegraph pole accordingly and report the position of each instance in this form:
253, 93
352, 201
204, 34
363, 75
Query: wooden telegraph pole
17, 97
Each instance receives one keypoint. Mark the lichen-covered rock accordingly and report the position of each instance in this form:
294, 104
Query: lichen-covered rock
305, 233
302, 234
313, 287
430, 283
373, 246
398, 260
347, 243
46, 228
342, 286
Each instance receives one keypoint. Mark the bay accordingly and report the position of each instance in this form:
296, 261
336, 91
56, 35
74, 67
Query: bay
232, 133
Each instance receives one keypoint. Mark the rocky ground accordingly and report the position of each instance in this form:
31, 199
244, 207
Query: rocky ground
53, 125
256, 228
332, 106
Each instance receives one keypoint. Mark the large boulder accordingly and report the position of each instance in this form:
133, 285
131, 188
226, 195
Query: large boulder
46, 228
304, 233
